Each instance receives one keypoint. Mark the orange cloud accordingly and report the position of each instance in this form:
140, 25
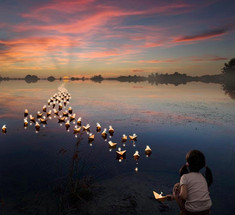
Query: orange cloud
37, 50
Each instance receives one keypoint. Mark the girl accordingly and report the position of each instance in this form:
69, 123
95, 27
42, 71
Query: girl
192, 193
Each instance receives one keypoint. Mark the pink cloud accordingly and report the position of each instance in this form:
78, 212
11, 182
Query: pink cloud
47, 11
138, 70
152, 45
101, 54
188, 59
211, 59
95, 16
203, 36
173, 60
91, 26
2, 25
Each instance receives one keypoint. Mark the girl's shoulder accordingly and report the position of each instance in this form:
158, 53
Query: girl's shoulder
192, 176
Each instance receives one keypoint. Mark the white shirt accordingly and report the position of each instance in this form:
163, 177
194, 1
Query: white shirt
198, 198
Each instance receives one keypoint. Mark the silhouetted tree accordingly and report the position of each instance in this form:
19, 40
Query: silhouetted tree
51, 78
229, 68
31, 78
229, 80
97, 78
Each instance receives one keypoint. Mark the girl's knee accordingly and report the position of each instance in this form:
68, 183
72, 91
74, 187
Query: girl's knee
176, 189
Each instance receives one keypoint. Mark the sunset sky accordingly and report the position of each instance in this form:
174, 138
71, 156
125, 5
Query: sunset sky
115, 37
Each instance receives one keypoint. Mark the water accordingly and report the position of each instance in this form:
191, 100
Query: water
170, 119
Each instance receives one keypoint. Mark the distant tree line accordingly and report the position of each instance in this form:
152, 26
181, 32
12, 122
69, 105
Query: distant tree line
227, 77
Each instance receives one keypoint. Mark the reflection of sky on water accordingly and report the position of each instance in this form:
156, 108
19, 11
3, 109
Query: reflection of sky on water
172, 120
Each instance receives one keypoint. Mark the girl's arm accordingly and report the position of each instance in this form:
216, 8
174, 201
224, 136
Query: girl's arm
183, 191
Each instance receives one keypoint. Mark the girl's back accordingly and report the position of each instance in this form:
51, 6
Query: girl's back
198, 198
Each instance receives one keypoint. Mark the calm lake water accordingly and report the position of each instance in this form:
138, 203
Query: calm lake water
170, 119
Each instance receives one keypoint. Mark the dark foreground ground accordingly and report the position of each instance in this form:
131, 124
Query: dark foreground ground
124, 194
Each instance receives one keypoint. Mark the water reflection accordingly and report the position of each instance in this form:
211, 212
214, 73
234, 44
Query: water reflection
170, 120
229, 87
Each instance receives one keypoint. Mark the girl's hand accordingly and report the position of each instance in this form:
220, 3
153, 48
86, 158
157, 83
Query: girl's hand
169, 197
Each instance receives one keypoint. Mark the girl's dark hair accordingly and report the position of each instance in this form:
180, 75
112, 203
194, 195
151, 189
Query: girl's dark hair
183, 170
208, 176
196, 161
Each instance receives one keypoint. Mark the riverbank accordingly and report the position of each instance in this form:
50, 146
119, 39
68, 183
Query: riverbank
123, 194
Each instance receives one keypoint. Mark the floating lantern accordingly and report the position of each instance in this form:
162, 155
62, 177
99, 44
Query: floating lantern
25, 123
44, 108
104, 134
67, 125
112, 144
48, 113
61, 119
121, 155
111, 130
148, 151
98, 127
136, 155
70, 110
72, 118
4, 129
160, 196
86, 128
31, 118
60, 106
39, 115
26, 112
43, 121
56, 112
133, 137
124, 138
65, 114
37, 127
91, 137
79, 121
76, 130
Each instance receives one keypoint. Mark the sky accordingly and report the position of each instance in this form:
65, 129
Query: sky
115, 37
